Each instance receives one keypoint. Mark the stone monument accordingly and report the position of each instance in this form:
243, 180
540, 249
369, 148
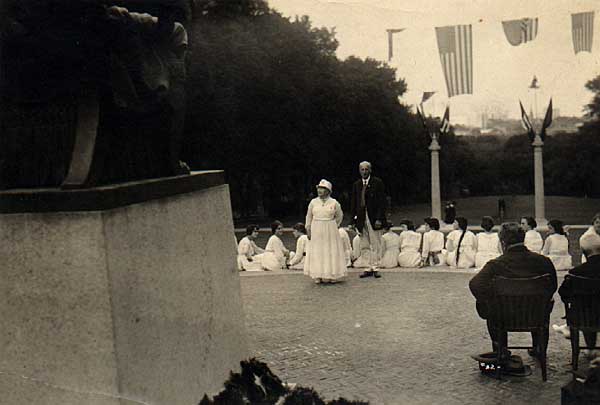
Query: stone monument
119, 280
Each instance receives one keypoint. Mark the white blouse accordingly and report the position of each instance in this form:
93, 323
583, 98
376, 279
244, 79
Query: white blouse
410, 241
556, 244
248, 248
301, 248
275, 246
469, 241
324, 210
488, 243
433, 241
534, 241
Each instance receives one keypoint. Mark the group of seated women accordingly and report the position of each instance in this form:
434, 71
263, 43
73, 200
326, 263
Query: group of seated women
461, 248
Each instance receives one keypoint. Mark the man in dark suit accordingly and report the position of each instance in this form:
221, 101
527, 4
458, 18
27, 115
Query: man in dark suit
516, 262
367, 210
590, 245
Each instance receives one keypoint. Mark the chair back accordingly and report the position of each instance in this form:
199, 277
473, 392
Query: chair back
521, 304
583, 306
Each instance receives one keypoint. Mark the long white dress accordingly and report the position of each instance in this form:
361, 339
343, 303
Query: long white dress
347, 246
433, 246
556, 248
410, 243
249, 255
326, 258
534, 241
391, 250
488, 248
274, 256
468, 247
360, 252
298, 257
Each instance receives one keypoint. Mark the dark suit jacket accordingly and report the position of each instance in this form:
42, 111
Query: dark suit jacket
375, 200
517, 262
589, 269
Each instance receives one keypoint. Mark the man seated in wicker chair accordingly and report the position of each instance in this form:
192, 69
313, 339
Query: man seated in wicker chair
516, 262
590, 245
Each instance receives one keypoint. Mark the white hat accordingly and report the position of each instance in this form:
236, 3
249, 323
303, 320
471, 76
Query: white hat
590, 241
325, 184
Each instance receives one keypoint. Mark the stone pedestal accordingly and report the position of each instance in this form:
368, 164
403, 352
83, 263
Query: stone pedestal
436, 200
134, 302
538, 168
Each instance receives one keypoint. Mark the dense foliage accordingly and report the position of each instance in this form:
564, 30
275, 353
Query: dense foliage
272, 105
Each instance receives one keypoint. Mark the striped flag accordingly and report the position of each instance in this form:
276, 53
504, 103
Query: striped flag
391, 33
526, 123
445, 125
582, 26
520, 31
455, 44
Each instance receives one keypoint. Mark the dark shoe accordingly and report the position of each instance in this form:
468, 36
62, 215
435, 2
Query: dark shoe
376, 274
366, 274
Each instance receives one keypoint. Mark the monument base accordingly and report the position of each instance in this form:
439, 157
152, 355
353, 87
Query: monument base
134, 304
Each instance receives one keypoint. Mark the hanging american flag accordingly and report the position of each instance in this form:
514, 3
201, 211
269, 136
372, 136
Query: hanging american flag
582, 26
526, 123
455, 44
520, 31
391, 33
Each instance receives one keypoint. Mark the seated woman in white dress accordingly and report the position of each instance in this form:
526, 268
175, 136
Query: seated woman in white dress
488, 243
556, 246
433, 244
275, 254
595, 228
249, 257
390, 247
533, 239
361, 254
410, 243
461, 245
347, 246
297, 258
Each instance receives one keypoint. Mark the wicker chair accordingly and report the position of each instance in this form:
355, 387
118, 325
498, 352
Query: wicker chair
519, 305
583, 311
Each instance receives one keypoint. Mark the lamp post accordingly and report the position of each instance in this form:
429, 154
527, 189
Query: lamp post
436, 199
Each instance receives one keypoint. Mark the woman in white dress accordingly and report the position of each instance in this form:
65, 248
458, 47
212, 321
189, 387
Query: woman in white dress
249, 255
488, 243
326, 259
410, 243
298, 257
433, 244
461, 245
275, 254
347, 246
390, 248
556, 246
533, 239
361, 254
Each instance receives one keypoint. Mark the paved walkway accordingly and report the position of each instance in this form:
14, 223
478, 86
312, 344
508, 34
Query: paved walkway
402, 339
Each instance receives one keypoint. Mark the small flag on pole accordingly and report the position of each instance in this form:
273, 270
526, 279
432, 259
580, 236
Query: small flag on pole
547, 121
391, 33
582, 26
455, 44
445, 126
526, 123
520, 31
427, 95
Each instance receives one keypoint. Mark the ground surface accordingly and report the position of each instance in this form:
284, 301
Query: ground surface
403, 339
571, 210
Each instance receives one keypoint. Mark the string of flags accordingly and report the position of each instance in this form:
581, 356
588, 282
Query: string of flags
455, 46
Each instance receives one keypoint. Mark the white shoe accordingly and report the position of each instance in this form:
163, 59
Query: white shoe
564, 329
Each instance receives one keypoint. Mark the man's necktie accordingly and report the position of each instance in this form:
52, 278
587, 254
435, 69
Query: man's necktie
363, 193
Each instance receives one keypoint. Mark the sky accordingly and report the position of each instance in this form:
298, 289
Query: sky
502, 72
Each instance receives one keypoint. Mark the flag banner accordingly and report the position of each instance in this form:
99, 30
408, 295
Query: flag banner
582, 27
455, 44
445, 125
526, 123
547, 121
520, 31
423, 122
391, 33
427, 95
